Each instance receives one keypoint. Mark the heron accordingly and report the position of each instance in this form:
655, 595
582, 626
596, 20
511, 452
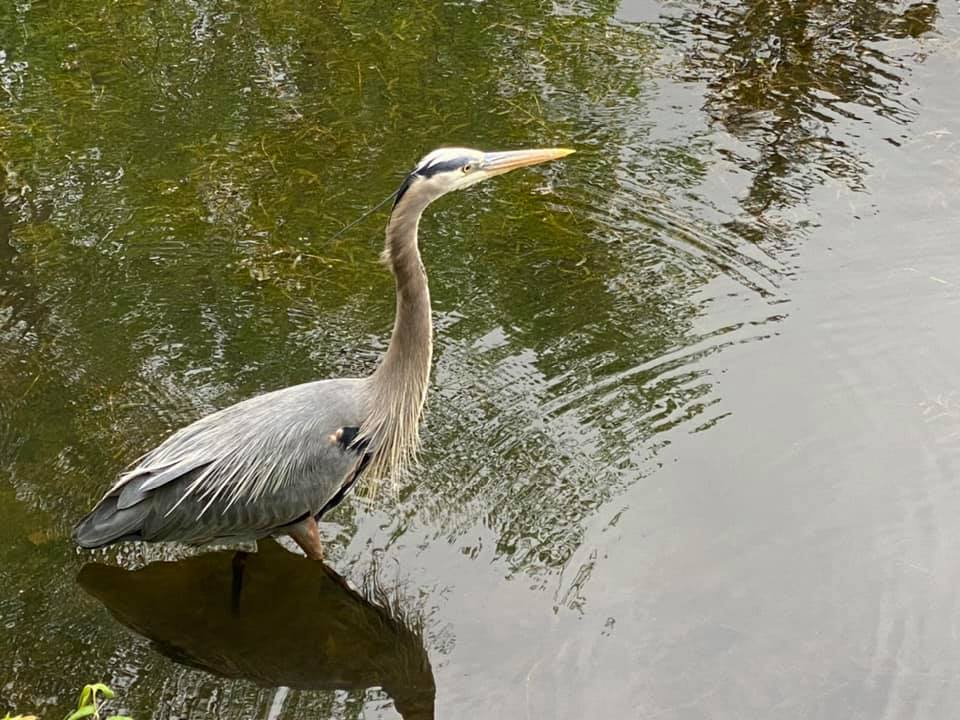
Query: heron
275, 463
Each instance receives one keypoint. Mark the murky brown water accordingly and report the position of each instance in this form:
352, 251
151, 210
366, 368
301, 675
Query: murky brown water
693, 430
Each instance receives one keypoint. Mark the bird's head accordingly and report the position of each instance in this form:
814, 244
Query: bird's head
448, 169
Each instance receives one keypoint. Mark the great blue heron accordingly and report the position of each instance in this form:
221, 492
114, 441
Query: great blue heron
275, 463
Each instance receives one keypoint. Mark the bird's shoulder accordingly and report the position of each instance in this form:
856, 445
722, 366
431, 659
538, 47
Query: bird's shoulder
283, 432
274, 418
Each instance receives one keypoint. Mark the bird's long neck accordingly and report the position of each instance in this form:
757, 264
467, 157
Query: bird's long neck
408, 356
397, 389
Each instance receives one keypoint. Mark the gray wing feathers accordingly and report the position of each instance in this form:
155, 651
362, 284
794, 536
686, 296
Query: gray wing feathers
242, 471
131, 492
106, 524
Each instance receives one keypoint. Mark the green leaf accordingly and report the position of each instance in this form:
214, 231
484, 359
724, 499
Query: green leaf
88, 703
85, 695
85, 711
102, 689
119, 717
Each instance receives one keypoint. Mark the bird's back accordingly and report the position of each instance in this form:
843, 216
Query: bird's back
241, 473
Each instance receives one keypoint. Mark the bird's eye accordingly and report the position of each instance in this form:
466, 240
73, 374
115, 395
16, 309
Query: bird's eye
468, 167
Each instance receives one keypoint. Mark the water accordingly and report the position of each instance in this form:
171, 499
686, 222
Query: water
692, 433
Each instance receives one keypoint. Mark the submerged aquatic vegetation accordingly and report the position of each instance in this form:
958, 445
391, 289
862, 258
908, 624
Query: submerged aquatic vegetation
92, 700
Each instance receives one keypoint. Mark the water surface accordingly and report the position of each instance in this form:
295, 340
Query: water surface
692, 433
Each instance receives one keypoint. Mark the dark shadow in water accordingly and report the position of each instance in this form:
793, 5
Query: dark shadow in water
298, 624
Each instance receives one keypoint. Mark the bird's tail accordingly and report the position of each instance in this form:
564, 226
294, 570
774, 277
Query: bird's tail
106, 524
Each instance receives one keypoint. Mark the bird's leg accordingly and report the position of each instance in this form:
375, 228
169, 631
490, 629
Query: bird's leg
238, 565
306, 534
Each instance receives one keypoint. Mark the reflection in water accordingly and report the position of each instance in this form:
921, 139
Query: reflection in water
781, 74
297, 624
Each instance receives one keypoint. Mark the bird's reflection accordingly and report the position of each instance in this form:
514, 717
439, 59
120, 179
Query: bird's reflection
297, 624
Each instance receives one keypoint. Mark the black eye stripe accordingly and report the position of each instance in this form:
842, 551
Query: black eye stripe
428, 172
440, 167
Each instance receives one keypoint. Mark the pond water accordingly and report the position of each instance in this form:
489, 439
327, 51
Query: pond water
693, 430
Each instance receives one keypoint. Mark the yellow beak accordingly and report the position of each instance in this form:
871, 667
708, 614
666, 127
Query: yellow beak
495, 163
